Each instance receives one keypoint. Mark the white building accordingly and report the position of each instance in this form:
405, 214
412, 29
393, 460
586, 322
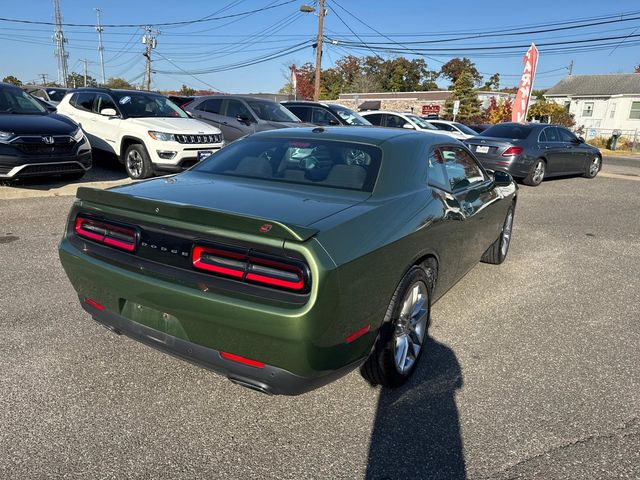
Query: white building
601, 103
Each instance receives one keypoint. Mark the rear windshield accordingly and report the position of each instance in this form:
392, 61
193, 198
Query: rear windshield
421, 123
307, 162
271, 111
349, 116
464, 129
518, 132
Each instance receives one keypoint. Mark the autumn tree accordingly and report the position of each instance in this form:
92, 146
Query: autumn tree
463, 90
186, 91
12, 80
498, 111
454, 68
551, 112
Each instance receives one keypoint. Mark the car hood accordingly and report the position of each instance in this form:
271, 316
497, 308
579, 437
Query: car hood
52, 124
283, 202
189, 126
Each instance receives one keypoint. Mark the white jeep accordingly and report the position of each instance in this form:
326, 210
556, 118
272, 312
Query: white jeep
147, 131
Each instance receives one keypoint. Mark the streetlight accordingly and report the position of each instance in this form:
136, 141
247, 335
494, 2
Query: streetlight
321, 13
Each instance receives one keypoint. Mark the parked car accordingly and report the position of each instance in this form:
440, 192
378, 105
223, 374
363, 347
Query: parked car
36, 142
181, 100
148, 132
455, 129
535, 151
325, 114
479, 127
409, 121
238, 115
291, 257
52, 95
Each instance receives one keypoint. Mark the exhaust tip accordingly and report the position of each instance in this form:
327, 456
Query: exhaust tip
251, 385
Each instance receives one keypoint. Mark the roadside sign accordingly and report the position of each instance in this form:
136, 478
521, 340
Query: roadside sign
430, 109
521, 103
456, 108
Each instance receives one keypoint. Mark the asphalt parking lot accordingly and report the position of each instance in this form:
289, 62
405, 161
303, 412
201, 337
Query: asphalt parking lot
531, 371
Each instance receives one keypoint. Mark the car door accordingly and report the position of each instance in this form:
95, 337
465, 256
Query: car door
375, 119
81, 112
210, 111
395, 121
554, 150
303, 112
475, 201
576, 151
230, 125
106, 127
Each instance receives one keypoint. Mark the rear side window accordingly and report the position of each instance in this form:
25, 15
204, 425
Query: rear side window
518, 132
84, 101
309, 162
551, 134
461, 169
444, 126
375, 118
303, 113
213, 105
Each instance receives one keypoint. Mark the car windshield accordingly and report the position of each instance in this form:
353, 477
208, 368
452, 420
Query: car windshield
56, 94
464, 129
315, 162
349, 116
138, 105
271, 111
13, 100
508, 130
421, 123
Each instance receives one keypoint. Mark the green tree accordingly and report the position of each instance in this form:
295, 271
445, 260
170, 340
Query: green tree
454, 68
463, 90
186, 91
12, 80
551, 112
115, 82
76, 80
493, 83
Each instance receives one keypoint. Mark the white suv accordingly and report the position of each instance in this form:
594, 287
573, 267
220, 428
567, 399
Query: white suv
147, 131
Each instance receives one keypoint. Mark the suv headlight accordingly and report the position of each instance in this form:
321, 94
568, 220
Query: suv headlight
5, 136
163, 137
78, 135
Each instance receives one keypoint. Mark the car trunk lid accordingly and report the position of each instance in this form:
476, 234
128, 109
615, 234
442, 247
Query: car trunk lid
490, 148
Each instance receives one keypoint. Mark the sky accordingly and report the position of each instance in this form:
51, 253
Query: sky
207, 54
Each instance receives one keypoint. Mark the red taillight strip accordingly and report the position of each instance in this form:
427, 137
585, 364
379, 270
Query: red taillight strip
237, 358
276, 282
196, 257
357, 334
94, 304
513, 151
105, 239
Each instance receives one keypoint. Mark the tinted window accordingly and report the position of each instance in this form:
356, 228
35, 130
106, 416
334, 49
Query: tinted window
551, 134
308, 162
56, 94
508, 130
213, 105
103, 102
375, 118
394, 121
322, 117
303, 113
462, 170
39, 94
235, 108
566, 135
271, 111
444, 126
84, 101
435, 170
464, 129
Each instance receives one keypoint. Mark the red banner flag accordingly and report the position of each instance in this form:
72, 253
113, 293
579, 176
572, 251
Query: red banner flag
521, 104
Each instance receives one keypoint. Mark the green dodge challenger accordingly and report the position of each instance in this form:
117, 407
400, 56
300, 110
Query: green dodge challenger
293, 256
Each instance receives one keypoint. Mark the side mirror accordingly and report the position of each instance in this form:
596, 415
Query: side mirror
243, 119
580, 139
408, 126
108, 112
502, 179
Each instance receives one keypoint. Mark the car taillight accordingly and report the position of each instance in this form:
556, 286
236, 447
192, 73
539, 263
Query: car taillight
512, 151
287, 274
106, 233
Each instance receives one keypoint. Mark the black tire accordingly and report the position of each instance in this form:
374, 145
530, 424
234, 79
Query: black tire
537, 173
381, 366
593, 167
137, 162
497, 252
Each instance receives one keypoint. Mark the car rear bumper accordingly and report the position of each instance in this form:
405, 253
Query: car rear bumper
516, 166
266, 379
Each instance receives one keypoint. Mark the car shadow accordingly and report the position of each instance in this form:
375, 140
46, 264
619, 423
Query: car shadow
416, 433
106, 167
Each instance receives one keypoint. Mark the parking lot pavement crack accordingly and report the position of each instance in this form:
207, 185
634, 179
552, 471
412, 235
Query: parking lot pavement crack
630, 428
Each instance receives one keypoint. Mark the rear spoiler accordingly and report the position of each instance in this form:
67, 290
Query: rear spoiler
203, 216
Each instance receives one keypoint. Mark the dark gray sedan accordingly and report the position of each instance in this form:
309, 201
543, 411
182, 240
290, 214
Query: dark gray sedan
240, 115
535, 151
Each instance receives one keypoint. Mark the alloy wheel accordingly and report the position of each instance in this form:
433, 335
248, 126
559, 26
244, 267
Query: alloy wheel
595, 166
506, 234
538, 173
134, 163
411, 327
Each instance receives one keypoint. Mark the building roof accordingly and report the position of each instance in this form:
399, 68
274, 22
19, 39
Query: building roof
432, 95
612, 84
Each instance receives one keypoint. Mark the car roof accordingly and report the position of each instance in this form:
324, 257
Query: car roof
236, 97
384, 111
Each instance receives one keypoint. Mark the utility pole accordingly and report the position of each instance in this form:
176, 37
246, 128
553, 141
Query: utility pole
571, 68
86, 70
99, 29
316, 87
58, 37
149, 39
44, 78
